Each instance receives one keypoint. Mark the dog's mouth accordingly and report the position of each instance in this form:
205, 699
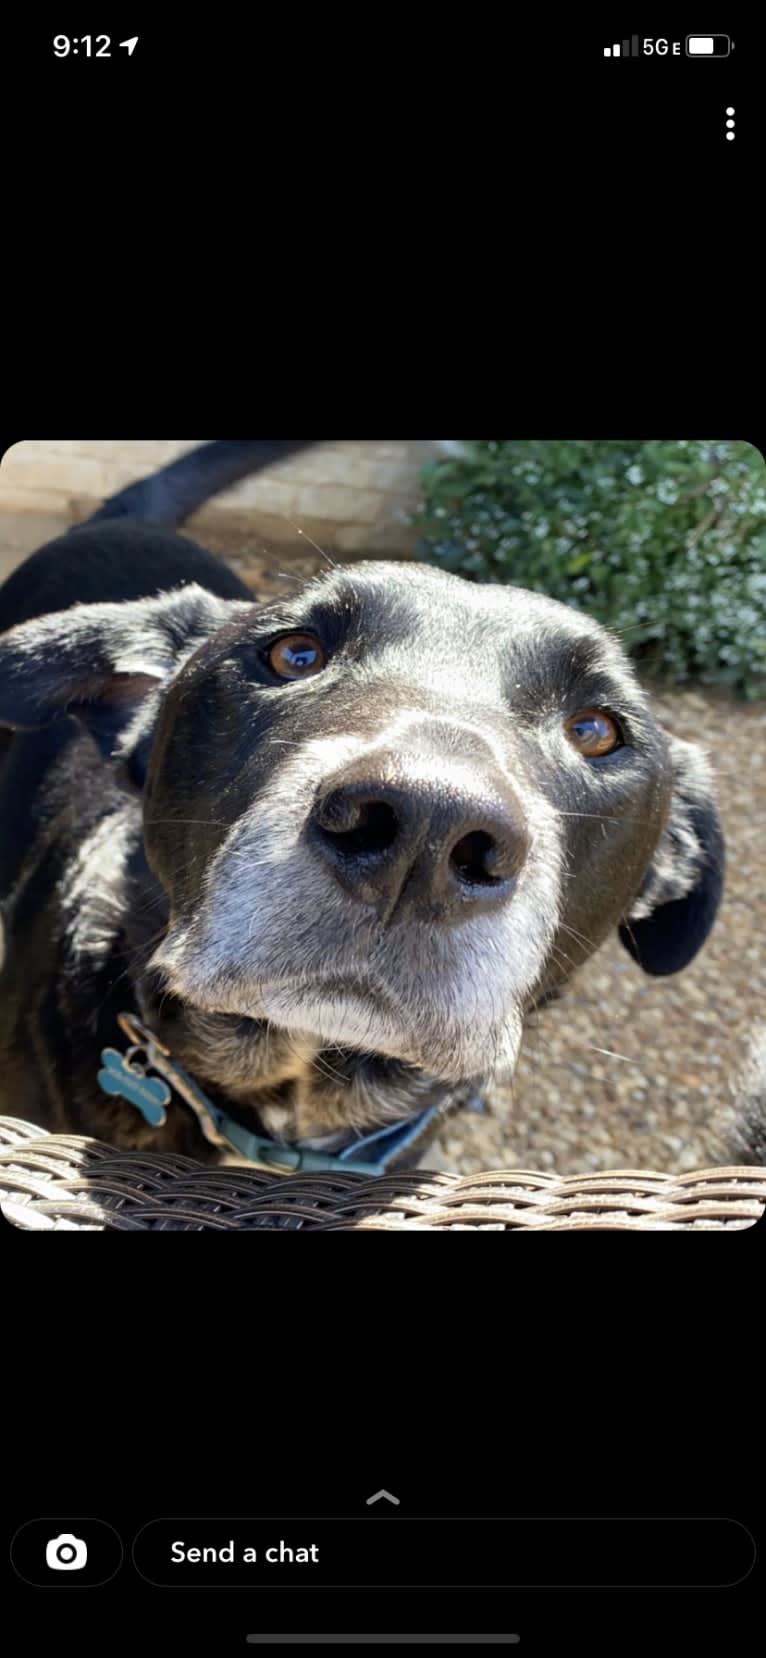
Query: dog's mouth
367, 1019
448, 1002
358, 1015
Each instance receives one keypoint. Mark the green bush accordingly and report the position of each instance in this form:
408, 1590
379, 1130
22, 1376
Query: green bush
664, 542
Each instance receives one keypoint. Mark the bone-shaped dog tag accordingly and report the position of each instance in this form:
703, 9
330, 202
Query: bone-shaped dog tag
149, 1094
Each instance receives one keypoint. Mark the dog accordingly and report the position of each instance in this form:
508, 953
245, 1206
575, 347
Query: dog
328, 850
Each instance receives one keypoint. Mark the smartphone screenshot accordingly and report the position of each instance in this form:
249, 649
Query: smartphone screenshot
381, 839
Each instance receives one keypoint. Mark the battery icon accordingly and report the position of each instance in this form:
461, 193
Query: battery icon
708, 46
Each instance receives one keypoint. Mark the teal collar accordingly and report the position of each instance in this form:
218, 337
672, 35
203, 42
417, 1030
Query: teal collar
126, 1075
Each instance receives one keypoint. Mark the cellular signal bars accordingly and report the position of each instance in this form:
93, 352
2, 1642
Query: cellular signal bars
628, 49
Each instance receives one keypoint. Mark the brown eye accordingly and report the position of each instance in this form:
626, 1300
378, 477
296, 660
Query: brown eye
296, 655
592, 732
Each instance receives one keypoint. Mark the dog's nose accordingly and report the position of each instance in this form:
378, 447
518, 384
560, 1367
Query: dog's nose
444, 840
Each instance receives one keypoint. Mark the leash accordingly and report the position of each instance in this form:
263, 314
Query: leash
126, 1075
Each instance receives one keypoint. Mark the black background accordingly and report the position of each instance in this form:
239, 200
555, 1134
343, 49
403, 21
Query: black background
387, 101
582, 1376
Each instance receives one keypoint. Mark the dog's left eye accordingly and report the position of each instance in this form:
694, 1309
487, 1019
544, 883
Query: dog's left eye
592, 732
296, 655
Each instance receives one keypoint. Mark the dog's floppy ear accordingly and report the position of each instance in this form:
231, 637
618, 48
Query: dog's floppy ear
100, 662
677, 903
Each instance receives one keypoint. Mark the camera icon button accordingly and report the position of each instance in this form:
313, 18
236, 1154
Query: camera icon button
66, 1553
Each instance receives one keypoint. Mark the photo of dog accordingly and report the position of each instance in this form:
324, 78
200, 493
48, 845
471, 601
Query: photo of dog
329, 851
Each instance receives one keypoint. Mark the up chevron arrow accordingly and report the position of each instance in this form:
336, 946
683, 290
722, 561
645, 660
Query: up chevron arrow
377, 1496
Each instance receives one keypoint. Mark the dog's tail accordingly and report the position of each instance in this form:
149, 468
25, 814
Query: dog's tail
168, 497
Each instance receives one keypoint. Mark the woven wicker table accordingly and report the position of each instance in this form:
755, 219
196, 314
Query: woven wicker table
62, 1182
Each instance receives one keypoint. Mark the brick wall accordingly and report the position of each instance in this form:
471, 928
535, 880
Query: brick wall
352, 498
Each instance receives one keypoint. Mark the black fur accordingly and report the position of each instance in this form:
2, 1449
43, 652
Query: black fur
669, 937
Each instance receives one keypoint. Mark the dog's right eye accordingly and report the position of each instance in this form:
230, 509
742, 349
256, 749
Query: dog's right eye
593, 732
296, 656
